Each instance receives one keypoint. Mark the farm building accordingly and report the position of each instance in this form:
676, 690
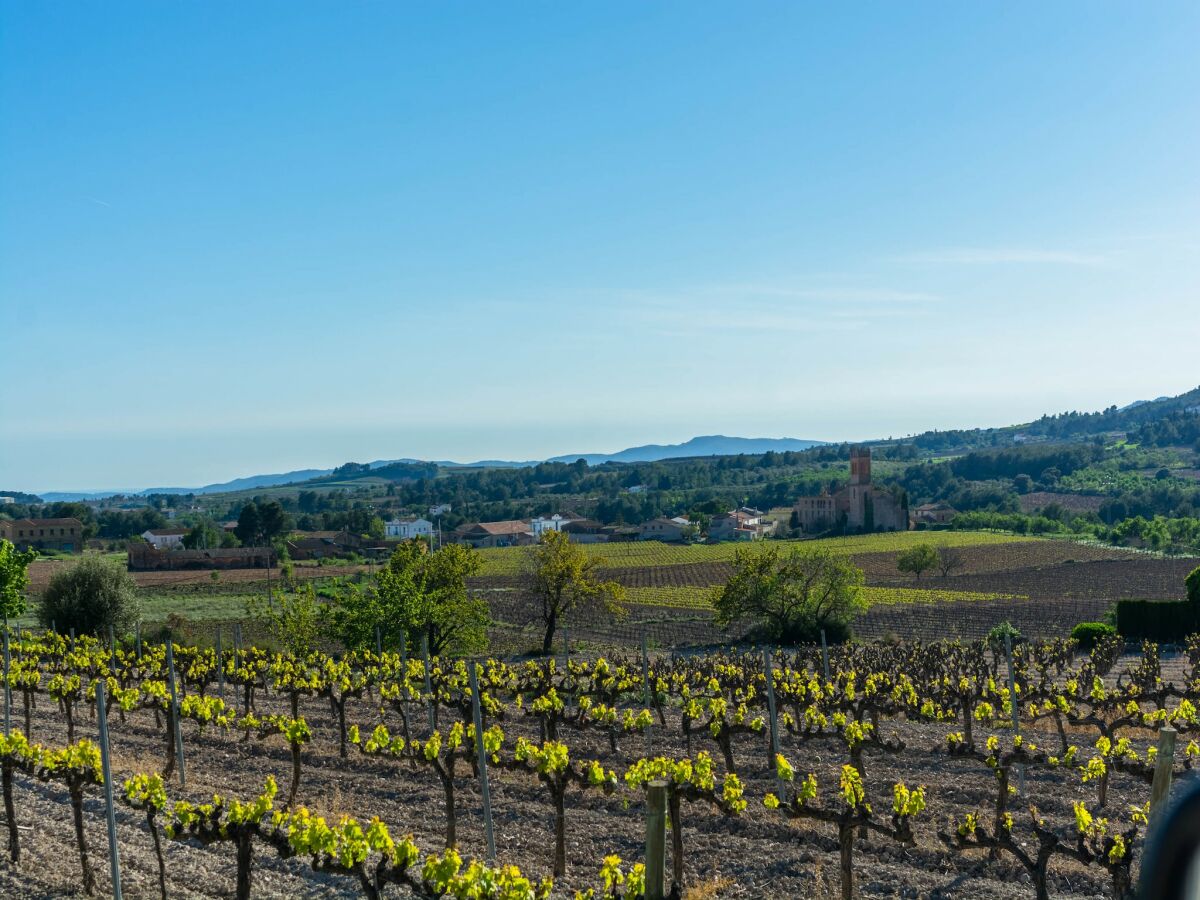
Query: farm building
669, 531
512, 533
165, 538
933, 514
44, 534
145, 558
323, 544
586, 531
860, 506
408, 528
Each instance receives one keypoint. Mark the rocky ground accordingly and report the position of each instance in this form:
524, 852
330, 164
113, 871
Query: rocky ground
757, 855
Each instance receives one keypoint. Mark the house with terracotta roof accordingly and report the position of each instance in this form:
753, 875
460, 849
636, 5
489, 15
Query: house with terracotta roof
65, 535
740, 525
511, 533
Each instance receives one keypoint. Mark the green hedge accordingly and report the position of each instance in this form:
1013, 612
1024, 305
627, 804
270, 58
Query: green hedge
1157, 620
1162, 620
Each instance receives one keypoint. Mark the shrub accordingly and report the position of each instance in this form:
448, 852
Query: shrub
995, 637
1088, 633
89, 597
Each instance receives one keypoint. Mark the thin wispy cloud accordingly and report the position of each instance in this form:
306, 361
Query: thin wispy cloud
774, 308
991, 256
98, 202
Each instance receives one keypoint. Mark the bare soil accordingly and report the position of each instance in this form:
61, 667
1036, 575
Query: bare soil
757, 855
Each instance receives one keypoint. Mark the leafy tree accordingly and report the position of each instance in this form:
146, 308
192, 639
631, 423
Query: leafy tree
203, 536
259, 524
295, 620
794, 596
561, 577
249, 525
14, 578
272, 521
917, 559
419, 594
89, 597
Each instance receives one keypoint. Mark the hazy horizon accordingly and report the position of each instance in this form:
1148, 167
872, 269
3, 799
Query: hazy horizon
237, 240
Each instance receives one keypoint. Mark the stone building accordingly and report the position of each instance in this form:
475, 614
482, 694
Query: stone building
860, 506
44, 534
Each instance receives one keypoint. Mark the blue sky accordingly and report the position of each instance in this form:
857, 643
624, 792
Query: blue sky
238, 238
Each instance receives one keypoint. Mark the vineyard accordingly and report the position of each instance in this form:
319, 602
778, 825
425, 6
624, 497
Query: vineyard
872, 768
653, 554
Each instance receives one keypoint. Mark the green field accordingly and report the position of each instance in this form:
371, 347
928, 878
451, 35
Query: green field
507, 560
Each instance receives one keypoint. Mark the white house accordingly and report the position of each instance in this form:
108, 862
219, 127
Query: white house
543, 524
409, 528
440, 510
165, 538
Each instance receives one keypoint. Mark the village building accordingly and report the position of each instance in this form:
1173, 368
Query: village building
165, 538
742, 524
585, 531
860, 506
145, 558
408, 528
669, 531
933, 514
323, 544
542, 524
511, 533
64, 535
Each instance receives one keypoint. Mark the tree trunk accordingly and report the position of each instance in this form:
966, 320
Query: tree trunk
673, 808
1001, 808
14, 843
245, 858
89, 877
548, 640
846, 859
341, 713
726, 743
560, 834
295, 776
169, 765
158, 854
451, 830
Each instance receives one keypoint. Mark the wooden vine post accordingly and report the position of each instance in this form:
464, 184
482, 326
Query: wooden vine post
824, 656
175, 711
656, 838
7, 686
110, 812
429, 684
769, 672
1160, 788
485, 792
1016, 709
646, 687
220, 665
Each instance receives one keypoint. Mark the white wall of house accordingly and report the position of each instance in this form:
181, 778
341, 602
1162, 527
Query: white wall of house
407, 529
163, 541
547, 523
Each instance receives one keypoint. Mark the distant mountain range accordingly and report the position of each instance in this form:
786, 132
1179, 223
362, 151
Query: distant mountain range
709, 445
1064, 427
